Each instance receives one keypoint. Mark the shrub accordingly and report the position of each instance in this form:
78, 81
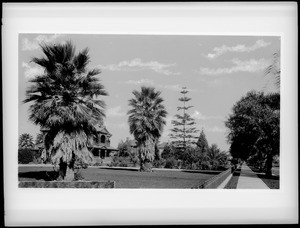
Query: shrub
161, 163
37, 160
25, 156
97, 162
135, 161
121, 162
78, 175
171, 163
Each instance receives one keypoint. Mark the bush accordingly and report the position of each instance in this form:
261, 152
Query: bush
135, 161
171, 163
25, 156
97, 162
78, 175
161, 163
121, 162
37, 160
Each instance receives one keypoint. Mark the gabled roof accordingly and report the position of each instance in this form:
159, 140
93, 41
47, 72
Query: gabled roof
162, 145
102, 129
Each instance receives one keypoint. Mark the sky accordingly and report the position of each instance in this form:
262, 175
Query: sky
217, 71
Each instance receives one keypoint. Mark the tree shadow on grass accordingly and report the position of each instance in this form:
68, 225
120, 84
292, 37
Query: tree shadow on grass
121, 168
263, 176
203, 171
40, 175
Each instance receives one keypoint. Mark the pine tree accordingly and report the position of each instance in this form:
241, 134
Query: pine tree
202, 142
184, 129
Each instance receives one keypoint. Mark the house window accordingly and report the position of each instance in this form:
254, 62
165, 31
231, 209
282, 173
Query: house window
102, 139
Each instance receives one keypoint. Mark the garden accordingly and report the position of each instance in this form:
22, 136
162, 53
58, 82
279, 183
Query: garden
125, 178
66, 102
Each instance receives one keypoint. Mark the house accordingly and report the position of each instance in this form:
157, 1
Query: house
100, 145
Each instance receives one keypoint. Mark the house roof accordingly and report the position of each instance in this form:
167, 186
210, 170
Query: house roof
162, 145
102, 129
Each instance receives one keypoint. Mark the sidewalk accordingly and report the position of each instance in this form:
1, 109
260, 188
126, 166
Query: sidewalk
249, 180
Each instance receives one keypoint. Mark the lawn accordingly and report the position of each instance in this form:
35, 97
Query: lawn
126, 178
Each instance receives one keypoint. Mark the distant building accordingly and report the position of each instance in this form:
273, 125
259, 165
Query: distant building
100, 145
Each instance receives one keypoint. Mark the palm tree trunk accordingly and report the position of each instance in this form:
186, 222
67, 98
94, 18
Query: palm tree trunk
146, 154
145, 166
70, 174
66, 172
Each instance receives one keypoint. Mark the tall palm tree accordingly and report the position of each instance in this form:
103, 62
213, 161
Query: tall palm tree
146, 120
64, 101
274, 68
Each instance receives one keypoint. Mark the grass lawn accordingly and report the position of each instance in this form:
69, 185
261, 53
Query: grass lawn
271, 182
232, 184
125, 178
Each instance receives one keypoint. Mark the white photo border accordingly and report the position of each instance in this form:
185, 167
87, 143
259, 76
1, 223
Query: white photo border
135, 207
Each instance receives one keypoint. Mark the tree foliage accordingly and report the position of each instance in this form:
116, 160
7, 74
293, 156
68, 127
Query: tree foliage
202, 142
254, 127
216, 158
39, 139
65, 100
183, 132
25, 141
146, 120
274, 69
126, 148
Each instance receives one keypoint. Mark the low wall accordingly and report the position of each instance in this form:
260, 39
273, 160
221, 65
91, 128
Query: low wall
215, 181
66, 184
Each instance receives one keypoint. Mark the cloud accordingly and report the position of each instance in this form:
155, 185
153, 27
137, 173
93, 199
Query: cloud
138, 82
115, 111
199, 116
176, 88
218, 51
28, 45
251, 65
168, 126
137, 65
31, 71
216, 129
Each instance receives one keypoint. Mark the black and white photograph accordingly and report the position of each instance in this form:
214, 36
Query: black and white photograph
150, 114
149, 111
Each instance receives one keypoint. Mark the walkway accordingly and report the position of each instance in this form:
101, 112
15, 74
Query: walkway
249, 180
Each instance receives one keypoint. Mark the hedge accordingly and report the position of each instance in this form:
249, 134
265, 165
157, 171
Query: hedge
66, 184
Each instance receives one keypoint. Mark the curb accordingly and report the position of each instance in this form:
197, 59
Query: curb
224, 183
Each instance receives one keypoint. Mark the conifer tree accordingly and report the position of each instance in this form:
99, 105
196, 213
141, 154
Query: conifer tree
184, 129
202, 142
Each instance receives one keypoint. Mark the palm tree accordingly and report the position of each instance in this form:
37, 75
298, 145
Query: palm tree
64, 101
25, 141
216, 158
274, 69
146, 121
